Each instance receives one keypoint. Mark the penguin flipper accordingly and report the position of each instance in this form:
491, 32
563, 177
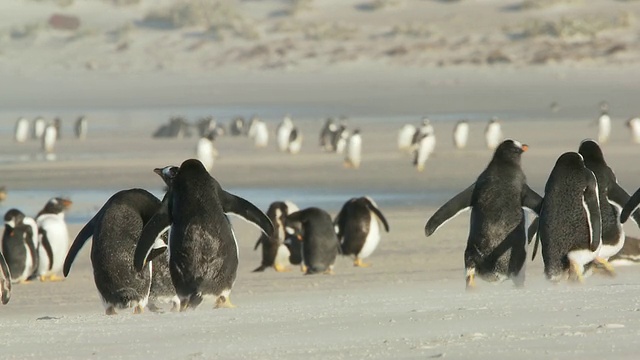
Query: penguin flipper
449, 210
81, 238
32, 249
630, 206
258, 243
44, 240
535, 246
379, 215
592, 203
619, 197
157, 225
246, 210
531, 199
5, 280
339, 222
533, 231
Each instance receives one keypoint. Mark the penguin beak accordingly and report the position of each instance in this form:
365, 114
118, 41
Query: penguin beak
525, 147
299, 237
158, 171
66, 203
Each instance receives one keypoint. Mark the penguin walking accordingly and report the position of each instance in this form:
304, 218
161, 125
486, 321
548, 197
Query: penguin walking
634, 127
326, 135
604, 123
53, 239
19, 245
274, 252
22, 130
612, 200
283, 134
116, 230
353, 157
405, 137
81, 127
358, 228
295, 141
203, 251
569, 227
38, 128
206, 152
424, 149
493, 134
461, 134
259, 132
497, 242
320, 244
5, 281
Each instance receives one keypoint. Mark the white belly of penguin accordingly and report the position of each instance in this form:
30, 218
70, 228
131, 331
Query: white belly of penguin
607, 251
58, 237
282, 255
372, 240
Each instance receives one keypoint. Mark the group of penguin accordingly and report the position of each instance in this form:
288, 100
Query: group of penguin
578, 224
182, 249
47, 132
33, 248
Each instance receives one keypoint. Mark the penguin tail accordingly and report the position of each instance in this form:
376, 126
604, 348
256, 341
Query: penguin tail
126, 296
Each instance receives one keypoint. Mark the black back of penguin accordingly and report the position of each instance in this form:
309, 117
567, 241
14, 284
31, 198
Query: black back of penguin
18, 246
320, 243
5, 281
353, 224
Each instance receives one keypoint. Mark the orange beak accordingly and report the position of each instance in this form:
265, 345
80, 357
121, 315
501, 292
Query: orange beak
525, 147
66, 203
299, 237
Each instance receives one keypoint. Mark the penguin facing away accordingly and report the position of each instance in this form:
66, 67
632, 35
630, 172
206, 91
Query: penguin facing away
320, 244
496, 246
274, 252
19, 245
461, 134
569, 228
358, 229
203, 251
5, 281
53, 239
116, 229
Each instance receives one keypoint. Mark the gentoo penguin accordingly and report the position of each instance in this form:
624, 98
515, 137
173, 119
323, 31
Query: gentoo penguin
326, 135
569, 227
405, 137
612, 200
320, 244
461, 134
293, 241
19, 245
634, 126
38, 127
424, 149
206, 125
81, 128
423, 130
604, 123
295, 140
340, 136
283, 134
354, 150
274, 252
206, 152
496, 247
57, 123
49, 139
259, 132
116, 229
53, 239
237, 126
22, 130
203, 252
493, 134
358, 229
628, 255
5, 281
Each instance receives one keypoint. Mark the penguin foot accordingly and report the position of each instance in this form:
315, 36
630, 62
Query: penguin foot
24, 282
138, 310
420, 168
303, 268
606, 266
577, 271
224, 302
329, 271
358, 263
184, 305
470, 283
52, 277
281, 268
110, 311
175, 307
347, 165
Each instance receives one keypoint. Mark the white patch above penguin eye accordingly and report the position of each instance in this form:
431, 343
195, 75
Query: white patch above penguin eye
11, 223
290, 230
54, 201
517, 143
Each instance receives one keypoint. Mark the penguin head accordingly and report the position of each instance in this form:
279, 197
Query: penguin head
13, 218
511, 150
570, 160
167, 173
591, 151
56, 205
356, 132
604, 106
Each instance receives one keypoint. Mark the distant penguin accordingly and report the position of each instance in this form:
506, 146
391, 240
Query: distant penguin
358, 228
19, 245
3, 193
423, 130
206, 125
461, 134
38, 128
22, 130
497, 242
493, 134
634, 127
49, 139
116, 230
320, 244
295, 141
612, 199
353, 156
326, 135
237, 126
5, 281
81, 127
604, 127
424, 149
206, 152
203, 251
283, 134
342, 140
274, 252
57, 123
259, 132
569, 227
405, 137
53, 239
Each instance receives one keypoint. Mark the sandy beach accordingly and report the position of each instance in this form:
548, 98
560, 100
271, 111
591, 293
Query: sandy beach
411, 304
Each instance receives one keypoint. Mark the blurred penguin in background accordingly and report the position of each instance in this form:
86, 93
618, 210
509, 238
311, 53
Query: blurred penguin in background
493, 134
604, 123
259, 132
405, 137
634, 127
81, 128
22, 130
206, 152
283, 134
461, 134
38, 127
354, 150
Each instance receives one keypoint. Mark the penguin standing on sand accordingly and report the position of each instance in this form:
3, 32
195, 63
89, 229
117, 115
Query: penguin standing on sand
358, 228
206, 152
320, 244
569, 227
405, 137
353, 157
461, 134
81, 127
295, 141
5, 281
53, 239
493, 134
326, 135
604, 123
274, 252
22, 130
425, 129
38, 128
634, 127
497, 242
116, 229
203, 251
424, 149
49, 141
19, 245
237, 126
259, 132
283, 134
